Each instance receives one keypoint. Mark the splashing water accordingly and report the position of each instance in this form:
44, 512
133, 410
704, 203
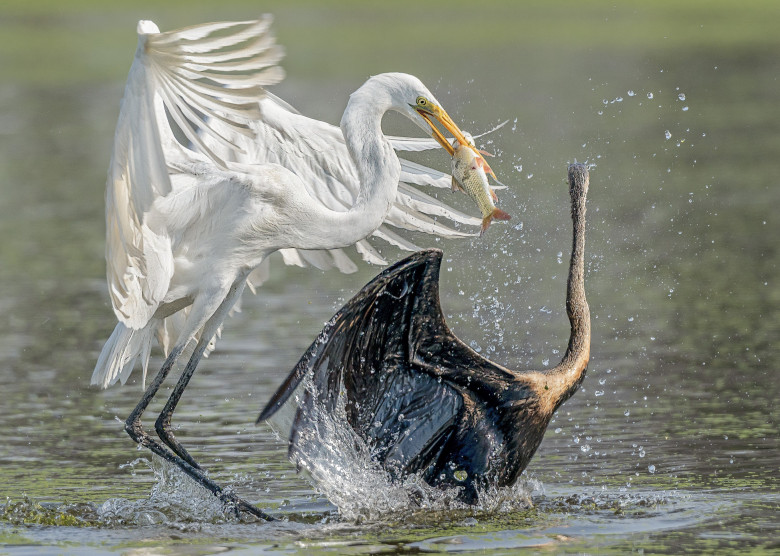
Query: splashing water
174, 498
342, 468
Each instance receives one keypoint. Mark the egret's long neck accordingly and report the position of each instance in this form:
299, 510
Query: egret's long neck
378, 172
375, 160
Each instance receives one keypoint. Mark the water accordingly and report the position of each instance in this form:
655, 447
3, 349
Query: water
670, 445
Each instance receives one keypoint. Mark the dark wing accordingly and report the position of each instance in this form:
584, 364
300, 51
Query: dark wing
372, 326
363, 352
401, 369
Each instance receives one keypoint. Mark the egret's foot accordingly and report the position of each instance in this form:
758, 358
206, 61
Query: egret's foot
134, 429
231, 501
238, 505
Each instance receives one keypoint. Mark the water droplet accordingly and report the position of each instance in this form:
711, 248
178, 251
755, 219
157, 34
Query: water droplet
631, 93
668, 134
649, 95
558, 430
684, 108
651, 468
460, 475
681, 96
627, 413
598, 393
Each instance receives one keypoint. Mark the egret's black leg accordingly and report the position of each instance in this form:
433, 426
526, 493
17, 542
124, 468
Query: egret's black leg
210, 327
137, 433
163, 423
229, 499
133, 422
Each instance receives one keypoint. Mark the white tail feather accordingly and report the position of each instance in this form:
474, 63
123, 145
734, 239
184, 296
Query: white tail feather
122, 349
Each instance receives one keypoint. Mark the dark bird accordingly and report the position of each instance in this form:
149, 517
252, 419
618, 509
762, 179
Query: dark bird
423, 401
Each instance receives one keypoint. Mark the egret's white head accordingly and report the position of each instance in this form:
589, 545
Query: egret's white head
406, 94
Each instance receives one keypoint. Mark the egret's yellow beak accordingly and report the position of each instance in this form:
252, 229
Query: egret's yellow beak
431, 110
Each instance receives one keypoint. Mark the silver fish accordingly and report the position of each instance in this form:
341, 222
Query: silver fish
469, 174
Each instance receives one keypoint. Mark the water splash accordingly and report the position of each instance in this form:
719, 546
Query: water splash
174, 499
341, 467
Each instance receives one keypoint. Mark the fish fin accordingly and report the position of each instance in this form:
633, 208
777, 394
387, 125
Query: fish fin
493, 195
486, 167
486, 153
456, 186
500, 185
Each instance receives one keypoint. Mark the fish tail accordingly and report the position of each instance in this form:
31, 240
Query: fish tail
486, 223
497, 214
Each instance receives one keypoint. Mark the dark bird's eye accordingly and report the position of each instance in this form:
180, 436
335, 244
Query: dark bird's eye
422, 101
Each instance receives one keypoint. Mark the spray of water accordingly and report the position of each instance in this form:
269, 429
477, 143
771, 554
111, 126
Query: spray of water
174, 498
343, 468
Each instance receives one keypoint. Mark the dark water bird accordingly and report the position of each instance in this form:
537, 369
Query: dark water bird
423, 401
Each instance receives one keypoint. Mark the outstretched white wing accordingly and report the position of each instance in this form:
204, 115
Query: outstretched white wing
317, 153
207, 83
194, 76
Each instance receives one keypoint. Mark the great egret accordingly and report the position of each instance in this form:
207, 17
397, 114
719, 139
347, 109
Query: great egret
210, 174
420, 399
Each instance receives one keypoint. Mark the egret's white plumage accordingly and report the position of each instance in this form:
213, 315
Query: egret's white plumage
210, 174
191, 221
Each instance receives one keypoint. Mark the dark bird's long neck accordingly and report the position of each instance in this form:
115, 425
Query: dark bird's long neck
578, 352
562, 381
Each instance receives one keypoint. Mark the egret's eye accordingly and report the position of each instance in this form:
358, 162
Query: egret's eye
422, 102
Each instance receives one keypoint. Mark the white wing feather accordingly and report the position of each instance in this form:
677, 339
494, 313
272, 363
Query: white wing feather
205, 84
212, 72
317, 153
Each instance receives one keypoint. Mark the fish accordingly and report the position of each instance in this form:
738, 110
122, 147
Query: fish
469, 174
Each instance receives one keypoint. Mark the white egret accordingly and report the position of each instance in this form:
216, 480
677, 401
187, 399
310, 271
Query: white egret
210, 174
